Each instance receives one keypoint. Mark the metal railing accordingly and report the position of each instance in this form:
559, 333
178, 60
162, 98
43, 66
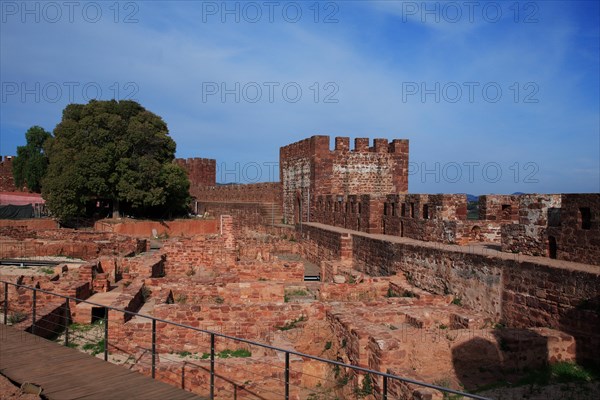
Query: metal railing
386, 378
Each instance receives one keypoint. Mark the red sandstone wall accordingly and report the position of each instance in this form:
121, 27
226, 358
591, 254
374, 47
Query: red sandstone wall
183, 227
495, 207
519, 293
30, 224
245, 215
321, 244
269, 192
7, 182
576, 242
309, 169
201, 172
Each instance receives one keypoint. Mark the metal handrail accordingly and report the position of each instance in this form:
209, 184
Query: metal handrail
213, 334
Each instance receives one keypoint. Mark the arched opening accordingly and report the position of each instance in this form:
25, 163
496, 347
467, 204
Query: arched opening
552, 247
401, 229
476, 233
298, 210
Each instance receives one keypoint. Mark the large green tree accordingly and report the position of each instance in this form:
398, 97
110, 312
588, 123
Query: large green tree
31, 163
113, 152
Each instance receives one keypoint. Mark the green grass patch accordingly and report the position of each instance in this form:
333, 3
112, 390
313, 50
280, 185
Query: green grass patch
227, 353
457, 301
95, 348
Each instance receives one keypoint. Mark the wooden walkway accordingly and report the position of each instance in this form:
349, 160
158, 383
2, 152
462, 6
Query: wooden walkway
66, 373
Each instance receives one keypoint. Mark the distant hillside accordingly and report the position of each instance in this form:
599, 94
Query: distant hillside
472, 197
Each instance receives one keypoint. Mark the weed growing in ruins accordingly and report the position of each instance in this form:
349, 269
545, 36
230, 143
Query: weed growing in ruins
184, 354
95, 348
75, 327
408, 293
49, 271
16, 317
366, 388
262, 279
343, 343
442, 326
239, 353
292, 324
298, 292
457, 301
499, 325
391, 293
181, 298
219, 300
227, 353
341, 377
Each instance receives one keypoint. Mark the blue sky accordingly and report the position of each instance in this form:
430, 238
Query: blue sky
494, 96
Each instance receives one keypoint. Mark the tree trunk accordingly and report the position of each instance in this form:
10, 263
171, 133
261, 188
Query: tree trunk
116, 208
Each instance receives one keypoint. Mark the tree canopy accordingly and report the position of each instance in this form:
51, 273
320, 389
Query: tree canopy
31, 163
117, 153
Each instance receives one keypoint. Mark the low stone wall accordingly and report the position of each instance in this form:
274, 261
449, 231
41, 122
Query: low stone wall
31, 224
182, 227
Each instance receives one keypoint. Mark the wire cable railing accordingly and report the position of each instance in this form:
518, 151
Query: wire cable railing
382, 383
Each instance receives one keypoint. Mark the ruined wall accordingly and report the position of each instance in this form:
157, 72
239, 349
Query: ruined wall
30, 224
474, 278
519, 292
560, 298
308, 169
188, 257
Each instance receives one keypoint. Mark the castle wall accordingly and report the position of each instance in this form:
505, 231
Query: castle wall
520, 292
309, 169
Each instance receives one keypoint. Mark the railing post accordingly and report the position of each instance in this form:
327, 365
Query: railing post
212, 366
67, 312
106, 334
33, 312
5, 303
287, 375
153, 348
385, 389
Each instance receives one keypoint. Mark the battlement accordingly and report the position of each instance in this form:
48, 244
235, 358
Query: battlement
195, 161
319, 145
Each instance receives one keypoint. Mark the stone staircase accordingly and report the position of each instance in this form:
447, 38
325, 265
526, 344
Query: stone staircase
272, 213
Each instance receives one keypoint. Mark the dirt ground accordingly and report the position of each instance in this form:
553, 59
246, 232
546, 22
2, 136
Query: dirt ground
8, 391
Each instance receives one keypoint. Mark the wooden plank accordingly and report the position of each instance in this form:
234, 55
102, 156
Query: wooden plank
66, 373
